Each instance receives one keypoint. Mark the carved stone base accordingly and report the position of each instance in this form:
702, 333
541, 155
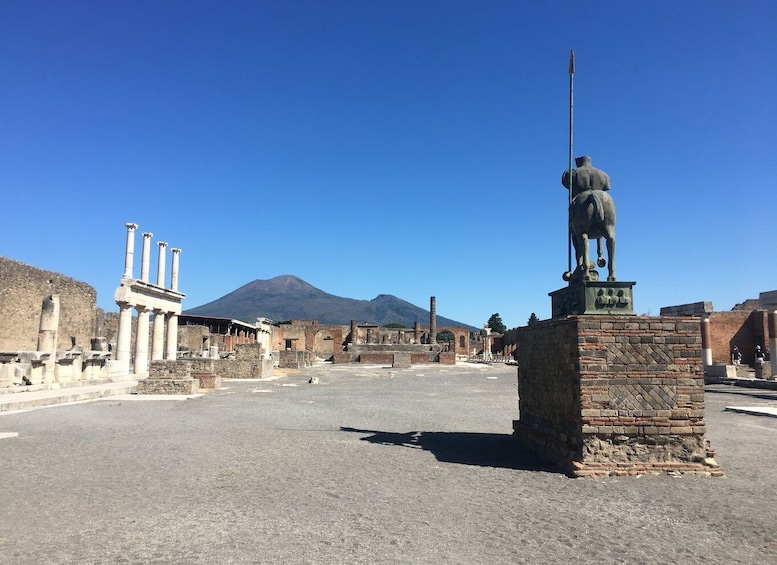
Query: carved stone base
589, 297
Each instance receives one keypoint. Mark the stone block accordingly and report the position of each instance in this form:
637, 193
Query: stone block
401, 361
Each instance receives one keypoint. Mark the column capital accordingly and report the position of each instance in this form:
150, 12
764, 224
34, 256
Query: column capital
161, 243
131, 226
175, 250
148, 234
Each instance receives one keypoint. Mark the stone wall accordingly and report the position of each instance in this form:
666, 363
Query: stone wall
615, 394
22, 290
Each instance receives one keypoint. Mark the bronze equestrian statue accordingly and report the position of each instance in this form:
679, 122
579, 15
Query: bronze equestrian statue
591, 216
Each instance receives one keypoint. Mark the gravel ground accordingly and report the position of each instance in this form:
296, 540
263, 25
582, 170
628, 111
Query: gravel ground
370, 465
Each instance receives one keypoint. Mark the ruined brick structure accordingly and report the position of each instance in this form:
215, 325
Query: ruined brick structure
614, 394
331, 341
22, 290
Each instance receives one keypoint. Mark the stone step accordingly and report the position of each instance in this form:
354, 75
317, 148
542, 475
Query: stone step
39, 398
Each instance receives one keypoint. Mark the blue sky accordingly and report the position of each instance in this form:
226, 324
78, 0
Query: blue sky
412, 148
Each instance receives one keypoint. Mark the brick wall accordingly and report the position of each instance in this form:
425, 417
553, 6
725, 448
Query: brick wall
22, 290
615, 394
743, 328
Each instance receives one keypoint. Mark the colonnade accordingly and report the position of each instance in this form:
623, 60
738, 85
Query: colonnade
147, 298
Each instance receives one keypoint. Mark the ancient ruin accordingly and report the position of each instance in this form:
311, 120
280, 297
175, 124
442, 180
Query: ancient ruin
146, 297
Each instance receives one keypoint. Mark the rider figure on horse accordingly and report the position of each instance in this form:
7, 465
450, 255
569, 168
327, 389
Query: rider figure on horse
585, 177
591, 216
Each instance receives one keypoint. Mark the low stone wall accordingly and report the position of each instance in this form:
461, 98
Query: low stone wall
447, 358
615, 394
376, 358
295, 359
167, 386
207, 380
169, 377
343, 357
401, 361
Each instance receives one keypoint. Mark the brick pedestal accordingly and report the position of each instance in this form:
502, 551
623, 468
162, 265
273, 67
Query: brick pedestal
614, 395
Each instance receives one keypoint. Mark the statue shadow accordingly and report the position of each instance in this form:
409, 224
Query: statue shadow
479, 449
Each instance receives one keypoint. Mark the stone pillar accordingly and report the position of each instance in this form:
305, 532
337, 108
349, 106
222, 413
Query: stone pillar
354, 332
174, 272
486, 343
369, 335
158, 336
172, 336
706, 340
773, 341
145, 258
401, 337
433, 320
160, 271
130, 253
417, 332
141, 341
49, 325
124, 337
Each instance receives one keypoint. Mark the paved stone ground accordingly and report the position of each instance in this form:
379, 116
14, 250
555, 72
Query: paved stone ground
371, 465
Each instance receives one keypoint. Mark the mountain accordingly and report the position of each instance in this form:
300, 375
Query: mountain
290, 298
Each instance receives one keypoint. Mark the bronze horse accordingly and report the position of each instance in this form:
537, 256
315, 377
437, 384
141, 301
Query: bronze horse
592, 216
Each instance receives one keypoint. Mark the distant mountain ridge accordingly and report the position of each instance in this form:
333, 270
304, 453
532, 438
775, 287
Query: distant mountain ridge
287, 297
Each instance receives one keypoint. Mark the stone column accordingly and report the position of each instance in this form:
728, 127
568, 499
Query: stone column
433, 320
417, 332
158, 336
160, 270
130, 253
486, 343
124, 337
773, 341
174, 272
141, 341
354, 332
49, 325
145, 258
706, 340
172, 336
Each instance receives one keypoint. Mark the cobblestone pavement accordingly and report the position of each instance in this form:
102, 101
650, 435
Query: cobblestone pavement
370, 465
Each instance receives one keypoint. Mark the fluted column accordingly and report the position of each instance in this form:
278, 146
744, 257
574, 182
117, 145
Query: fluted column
172, 336
158, 336
160, 271
141, 341
174, 272
145, 258
130, 252
124, 337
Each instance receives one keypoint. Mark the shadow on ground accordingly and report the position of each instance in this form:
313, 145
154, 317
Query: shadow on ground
484, 450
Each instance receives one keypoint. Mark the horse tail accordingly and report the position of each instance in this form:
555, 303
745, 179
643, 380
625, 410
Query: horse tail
598, 206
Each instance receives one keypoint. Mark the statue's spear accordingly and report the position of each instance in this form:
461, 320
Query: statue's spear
571, 107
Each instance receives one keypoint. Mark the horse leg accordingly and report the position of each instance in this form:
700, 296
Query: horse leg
583, 263
611, 256
600, 261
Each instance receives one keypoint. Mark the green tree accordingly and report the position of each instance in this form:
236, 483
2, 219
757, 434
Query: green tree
444, 337
396, 326
496, 324
533, 319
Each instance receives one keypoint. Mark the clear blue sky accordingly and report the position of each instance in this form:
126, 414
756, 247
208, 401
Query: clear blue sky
412, 148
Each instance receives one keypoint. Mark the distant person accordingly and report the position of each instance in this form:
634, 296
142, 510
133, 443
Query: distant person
736, 356
759, 354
